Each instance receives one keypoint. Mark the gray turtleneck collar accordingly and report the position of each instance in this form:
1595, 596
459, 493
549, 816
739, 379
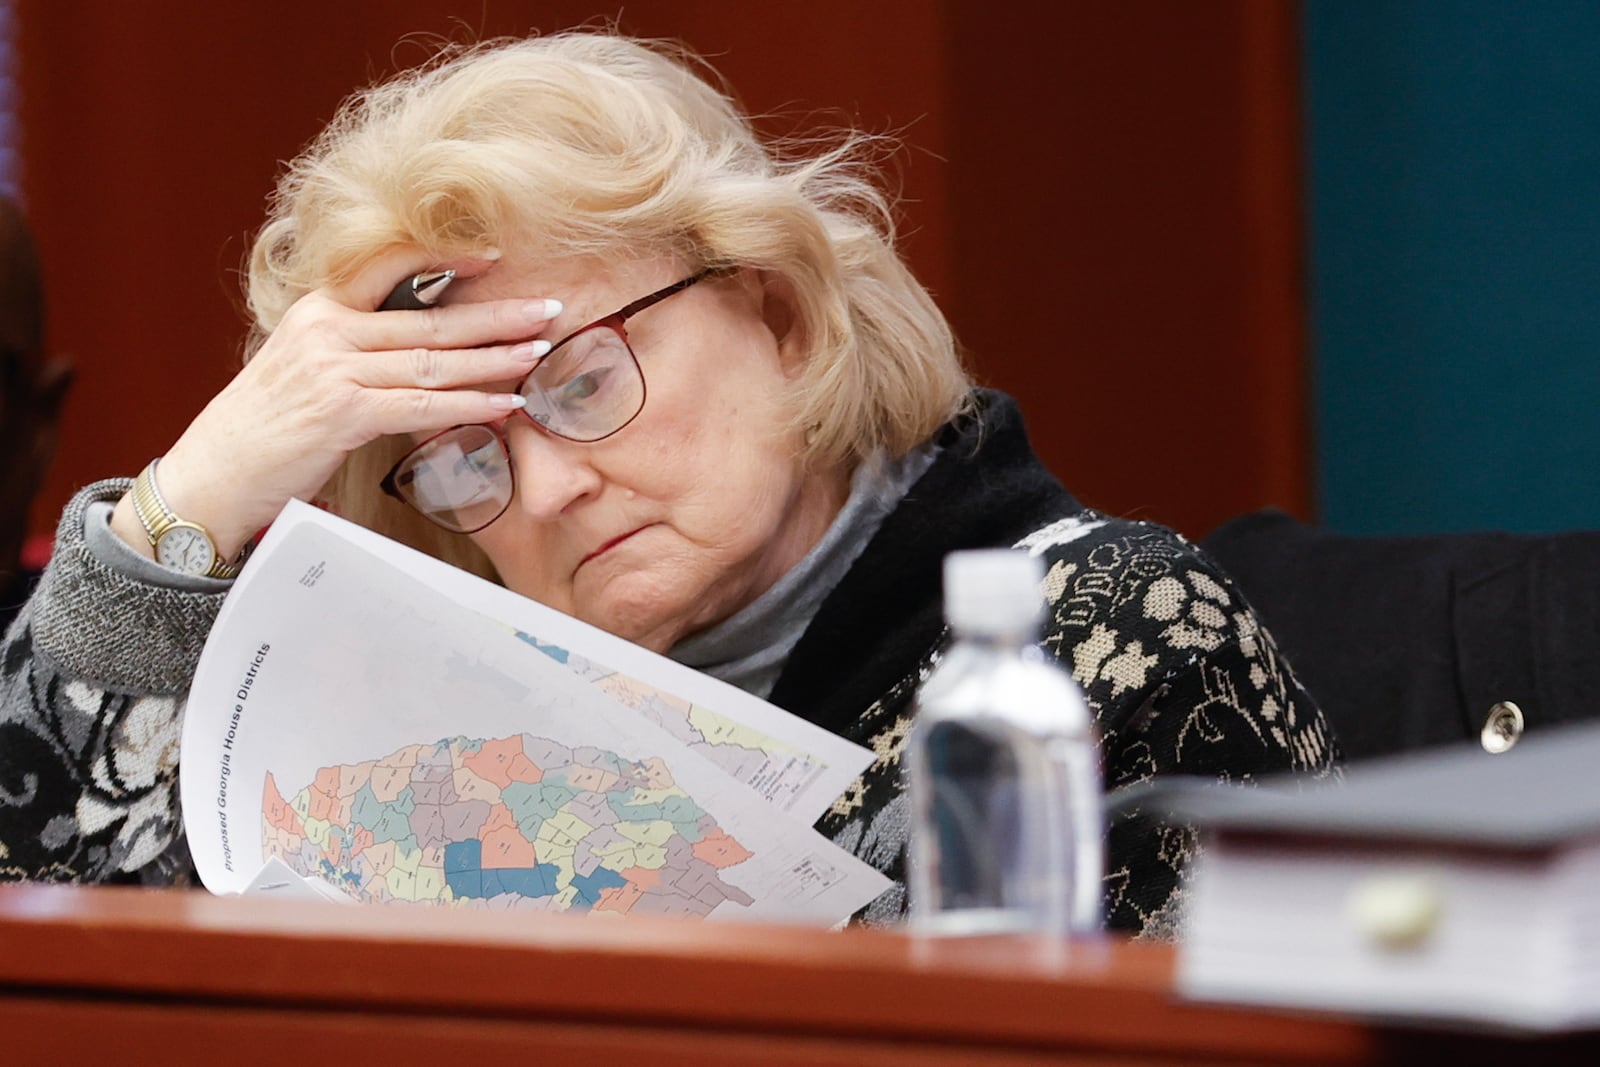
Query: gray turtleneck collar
748, 649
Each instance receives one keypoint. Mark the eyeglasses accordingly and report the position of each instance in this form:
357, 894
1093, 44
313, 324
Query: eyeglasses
585, 389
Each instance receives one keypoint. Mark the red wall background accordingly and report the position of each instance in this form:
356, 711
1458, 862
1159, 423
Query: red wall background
1104, 197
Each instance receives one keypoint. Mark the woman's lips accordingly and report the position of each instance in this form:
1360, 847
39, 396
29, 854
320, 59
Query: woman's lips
608, 546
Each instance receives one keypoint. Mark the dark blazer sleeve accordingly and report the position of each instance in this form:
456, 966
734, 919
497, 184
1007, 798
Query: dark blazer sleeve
1416, 641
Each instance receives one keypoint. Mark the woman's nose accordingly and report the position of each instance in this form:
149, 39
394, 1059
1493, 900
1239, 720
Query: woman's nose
552, 473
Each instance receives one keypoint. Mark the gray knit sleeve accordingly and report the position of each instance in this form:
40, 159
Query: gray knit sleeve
93, 676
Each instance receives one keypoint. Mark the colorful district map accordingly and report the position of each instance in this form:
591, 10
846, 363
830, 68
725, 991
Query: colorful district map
511, 822
744, 753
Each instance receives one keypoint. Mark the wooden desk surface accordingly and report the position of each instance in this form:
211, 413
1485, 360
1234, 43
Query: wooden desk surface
132, 976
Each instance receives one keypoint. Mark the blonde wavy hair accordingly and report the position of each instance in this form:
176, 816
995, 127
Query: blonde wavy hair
589, 144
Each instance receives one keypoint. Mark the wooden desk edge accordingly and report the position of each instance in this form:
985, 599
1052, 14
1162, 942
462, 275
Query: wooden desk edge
189, 945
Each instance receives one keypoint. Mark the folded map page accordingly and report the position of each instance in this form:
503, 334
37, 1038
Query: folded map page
795, 764
796, 781
352, 724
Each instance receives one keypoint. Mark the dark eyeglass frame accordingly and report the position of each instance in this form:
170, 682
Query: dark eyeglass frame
617, 322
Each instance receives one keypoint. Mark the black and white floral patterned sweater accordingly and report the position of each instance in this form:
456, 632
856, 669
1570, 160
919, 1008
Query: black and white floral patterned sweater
1179, 674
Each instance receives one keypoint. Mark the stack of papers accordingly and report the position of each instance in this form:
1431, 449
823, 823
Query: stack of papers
372, 724
1454, 885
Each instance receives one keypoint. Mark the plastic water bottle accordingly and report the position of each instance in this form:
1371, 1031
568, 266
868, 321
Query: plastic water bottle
1004, 770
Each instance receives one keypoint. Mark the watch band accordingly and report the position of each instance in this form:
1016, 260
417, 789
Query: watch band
159, 521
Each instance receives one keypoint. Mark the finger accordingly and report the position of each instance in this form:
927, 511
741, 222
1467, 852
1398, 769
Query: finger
450, 368
456, 326
402, 411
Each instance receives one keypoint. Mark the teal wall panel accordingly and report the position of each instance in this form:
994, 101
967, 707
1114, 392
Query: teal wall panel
1454, 199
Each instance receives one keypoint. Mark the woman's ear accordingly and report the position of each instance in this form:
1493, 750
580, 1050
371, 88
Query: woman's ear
780, 311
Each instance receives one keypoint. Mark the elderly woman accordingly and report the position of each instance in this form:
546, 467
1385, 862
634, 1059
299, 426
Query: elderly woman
679, 387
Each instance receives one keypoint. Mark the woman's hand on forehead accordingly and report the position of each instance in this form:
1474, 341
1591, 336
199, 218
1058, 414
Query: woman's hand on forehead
335, 375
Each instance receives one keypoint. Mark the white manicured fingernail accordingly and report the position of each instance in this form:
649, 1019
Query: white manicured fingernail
541, 310
531, 351
508, 401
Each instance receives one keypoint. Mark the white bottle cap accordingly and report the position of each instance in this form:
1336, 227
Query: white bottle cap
993, 591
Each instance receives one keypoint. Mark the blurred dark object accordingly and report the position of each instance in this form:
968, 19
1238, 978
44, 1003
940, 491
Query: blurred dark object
32, 388
1414, 641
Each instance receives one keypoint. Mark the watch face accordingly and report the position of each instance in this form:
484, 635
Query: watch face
185, 548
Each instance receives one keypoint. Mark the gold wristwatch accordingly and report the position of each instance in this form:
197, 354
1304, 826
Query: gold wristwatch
182, 545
